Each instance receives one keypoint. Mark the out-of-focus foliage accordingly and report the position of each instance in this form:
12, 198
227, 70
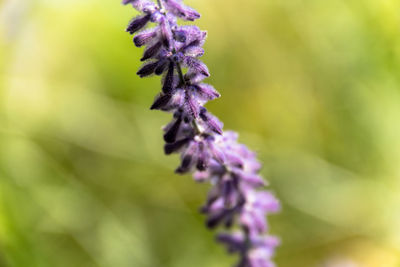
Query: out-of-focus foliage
312, 85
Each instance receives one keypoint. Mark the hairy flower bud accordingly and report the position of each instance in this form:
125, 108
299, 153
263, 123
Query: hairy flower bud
137, 23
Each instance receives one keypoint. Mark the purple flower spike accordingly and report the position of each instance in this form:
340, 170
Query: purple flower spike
236, 199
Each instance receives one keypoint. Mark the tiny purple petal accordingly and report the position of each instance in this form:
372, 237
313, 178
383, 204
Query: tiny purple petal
171, 133
161, 101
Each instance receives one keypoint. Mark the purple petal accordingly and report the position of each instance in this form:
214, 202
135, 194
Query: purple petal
235, 242
137, 23
147, 69
161, 101
174, 147
203, 157
170, 135
151, 51
188, 158
161, 67
169, 79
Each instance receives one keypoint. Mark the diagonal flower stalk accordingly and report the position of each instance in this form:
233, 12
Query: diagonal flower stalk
236, 201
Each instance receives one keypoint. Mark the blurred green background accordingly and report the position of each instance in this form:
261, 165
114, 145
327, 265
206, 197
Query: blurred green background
312, 85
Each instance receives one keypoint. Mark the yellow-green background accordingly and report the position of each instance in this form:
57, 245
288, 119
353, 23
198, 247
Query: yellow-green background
312, 85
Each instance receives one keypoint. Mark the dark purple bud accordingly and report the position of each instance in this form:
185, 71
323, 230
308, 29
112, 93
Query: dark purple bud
229, 220
144, 38
161, 67
161, 101
188, 158
174, 147
185, 166
170, 135
196, 66
147, 69
216, 218
202, 158
235, 242
227, 188
169, 79
137, 23
151, 51
216, 168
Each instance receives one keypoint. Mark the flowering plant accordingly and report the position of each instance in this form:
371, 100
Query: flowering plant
235, 200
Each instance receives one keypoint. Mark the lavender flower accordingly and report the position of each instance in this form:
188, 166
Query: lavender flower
235, 200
